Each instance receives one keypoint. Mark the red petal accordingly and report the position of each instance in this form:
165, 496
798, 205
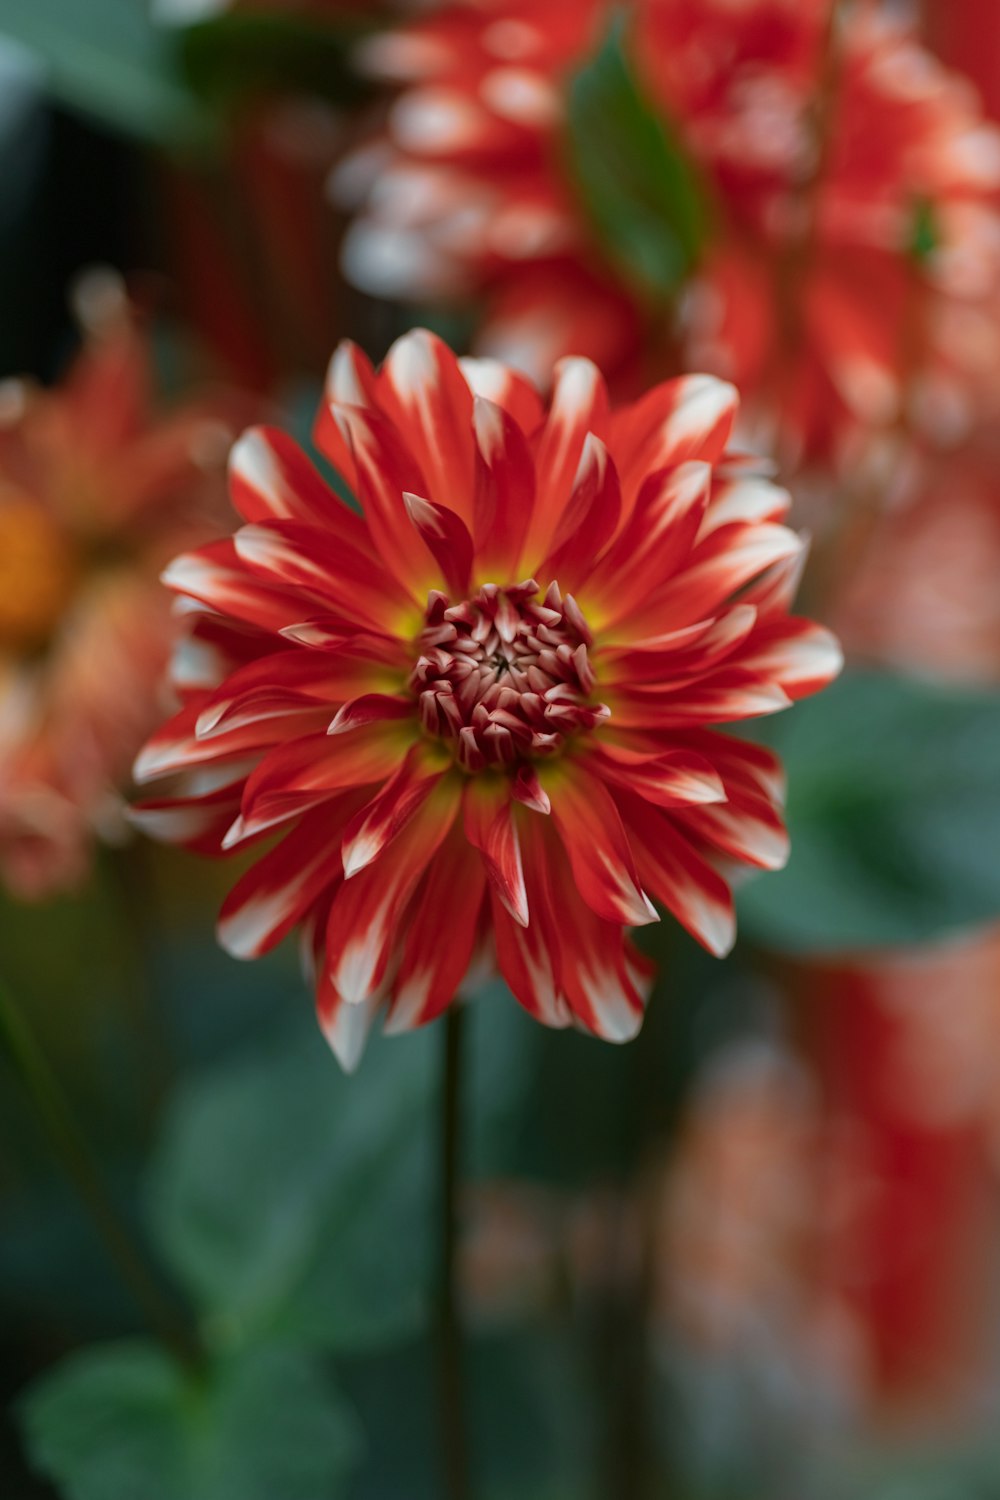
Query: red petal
442, 927
340, 577
382, 819
491, 828
277, 891
654, 545
506, 388
504, 492
798, 655
725, 697
747, 828
295, 776
682, 419
675, 779
680, 878
447, 538
350, 381
383, 470
594, 837
719, 567
217, 577
270, 479
366, 913
589, 520
424, 392
579, 405
176, 746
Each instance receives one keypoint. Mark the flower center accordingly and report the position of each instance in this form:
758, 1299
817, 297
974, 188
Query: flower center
37, 574
505, 674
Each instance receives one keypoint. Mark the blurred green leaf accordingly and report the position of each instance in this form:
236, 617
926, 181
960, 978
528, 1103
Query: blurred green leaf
290, 1199
894, 812
237, 55
124, 1423
919, 1470
634, 180
107, 59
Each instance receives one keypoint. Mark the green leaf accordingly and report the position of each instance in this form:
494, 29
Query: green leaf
124, 1422
925, 230
239, 54
894, 813
292, 1201
107, 59
634, 180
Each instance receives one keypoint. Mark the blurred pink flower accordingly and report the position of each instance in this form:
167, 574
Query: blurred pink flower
96, 492
855, 248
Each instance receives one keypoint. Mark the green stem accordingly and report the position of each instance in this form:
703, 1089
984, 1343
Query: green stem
450, 1374
74, 1154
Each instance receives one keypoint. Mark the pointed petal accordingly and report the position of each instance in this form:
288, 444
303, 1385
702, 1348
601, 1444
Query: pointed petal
589, 520
505, 388
218, 578
296, 776
424, 392
678, 778
270, 479
383, 470
504, 492
176, 745
277, 891
442, 927
490, 826
345, 1027
340, 578
366, 915
447, 538
381, 820
654, 545
688, 418
680, 878
588, 822
579, 405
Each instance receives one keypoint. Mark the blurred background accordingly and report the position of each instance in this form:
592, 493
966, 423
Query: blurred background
754, 1254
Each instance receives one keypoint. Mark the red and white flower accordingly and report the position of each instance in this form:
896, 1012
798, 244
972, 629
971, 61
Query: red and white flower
854, 255
480, 718
96, 493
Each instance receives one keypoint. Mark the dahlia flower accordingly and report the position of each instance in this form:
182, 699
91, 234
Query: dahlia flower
853, 254
96, 493
479, 718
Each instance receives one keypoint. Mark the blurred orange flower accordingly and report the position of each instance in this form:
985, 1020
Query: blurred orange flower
95, 494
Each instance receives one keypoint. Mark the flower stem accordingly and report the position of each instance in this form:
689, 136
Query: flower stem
75, 1156
450, 1378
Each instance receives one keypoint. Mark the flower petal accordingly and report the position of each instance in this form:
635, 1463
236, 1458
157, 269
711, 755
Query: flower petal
270, 479
447, 538
382, 819
679, 877
491, 827
424, 392
579, 405
442, 929
588, 822
278, 890
367, 911
688, 418
504, 493
343, 579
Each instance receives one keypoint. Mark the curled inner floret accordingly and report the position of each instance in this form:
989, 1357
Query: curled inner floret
505, 674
